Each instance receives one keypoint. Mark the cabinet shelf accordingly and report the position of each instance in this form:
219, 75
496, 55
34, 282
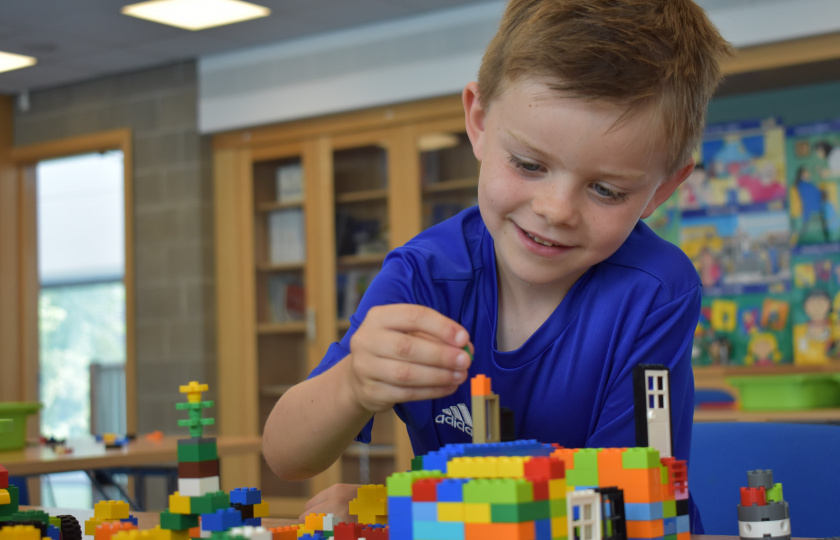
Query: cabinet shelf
367, 259
368, 195
273, 206
451, 185
297, 327
281, 267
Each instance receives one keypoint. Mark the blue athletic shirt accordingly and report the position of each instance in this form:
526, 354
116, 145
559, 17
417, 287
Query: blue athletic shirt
571, 383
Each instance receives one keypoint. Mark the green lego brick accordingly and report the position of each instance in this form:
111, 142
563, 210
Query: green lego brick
774, 494
417, 463
498, 490
197, 452
518, 513
7, 510
640, 458
220, 535
670, 537
209, 503
557, 508
399, 484
177, 522
586, 458
32, 515
582, 477
55, 520
669, 509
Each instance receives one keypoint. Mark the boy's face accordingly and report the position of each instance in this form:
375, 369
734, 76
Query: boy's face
561, 184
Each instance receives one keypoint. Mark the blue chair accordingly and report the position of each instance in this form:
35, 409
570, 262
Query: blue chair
804, 458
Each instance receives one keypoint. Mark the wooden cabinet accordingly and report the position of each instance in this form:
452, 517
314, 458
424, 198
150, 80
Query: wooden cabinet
371, 181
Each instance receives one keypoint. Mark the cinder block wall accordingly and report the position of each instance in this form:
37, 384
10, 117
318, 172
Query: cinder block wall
173, 213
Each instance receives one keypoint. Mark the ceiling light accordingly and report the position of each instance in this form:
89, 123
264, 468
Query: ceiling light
196, 14
10, 61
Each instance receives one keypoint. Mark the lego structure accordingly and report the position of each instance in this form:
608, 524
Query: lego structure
763, 512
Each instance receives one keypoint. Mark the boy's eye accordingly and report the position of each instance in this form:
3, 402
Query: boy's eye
526, 166
607, 193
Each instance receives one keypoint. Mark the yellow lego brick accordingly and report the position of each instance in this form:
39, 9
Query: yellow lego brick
165, 534
559, 527
92, 524
111, 510
5, 498
450, 511
313, 522
473, 467
477, 513
511, 466
20, 532
261, 509
557, 488
179, 504
370, 504
134, 534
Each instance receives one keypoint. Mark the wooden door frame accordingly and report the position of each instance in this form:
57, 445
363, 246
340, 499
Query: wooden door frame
19, 320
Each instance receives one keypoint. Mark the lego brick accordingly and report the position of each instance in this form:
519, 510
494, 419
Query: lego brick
425, 489
498, 490
221, 520
477, 513
261, 510
375, 532
645, 529
198, 469
760, 478
314, 522
559, 527
540, 488
209, 502
370, 504
245, 510
582, 477
4, 478
640, 458
290, 532
424, 511
179, 504
544, 467
20, 532
439, 530
196, 487
191, 451
106, 530
557, 508
772, 511
163, 534
399, 516
417, 463
480, 385
643, 511
499, 531
753, 495
764, 529
775, 493
111, 509
246, 496
557, 488
177, 522
451, 489
5, 498
669, 508
399, 484
91, 525
450, 511
518, 513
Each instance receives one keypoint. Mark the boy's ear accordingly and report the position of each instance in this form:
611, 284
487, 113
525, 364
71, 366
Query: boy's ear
475, 116
668, 187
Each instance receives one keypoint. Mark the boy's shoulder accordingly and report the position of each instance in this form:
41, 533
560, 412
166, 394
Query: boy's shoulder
451, 249
651, 258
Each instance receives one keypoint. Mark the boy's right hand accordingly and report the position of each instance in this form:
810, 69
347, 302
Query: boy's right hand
406, 352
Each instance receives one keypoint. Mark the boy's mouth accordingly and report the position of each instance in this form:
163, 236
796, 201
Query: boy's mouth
539, 240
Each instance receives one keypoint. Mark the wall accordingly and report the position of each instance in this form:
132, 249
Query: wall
173, 213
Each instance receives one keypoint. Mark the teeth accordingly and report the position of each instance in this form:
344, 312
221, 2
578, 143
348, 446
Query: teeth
539, 240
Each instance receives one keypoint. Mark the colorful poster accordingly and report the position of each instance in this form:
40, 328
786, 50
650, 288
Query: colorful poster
813, 154
816, 304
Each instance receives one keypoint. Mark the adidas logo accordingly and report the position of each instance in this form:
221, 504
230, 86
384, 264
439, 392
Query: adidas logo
457, 416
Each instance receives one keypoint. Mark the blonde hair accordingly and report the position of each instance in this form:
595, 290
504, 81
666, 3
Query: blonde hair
657, 55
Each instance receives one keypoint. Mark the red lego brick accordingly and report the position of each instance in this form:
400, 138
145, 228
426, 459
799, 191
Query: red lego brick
544, 467
4, 478
425, 489
753, 495
374, 533
347, 531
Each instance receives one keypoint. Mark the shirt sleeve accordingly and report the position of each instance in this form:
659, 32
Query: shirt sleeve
664, 337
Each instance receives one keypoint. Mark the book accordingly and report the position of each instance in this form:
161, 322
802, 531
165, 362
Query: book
287, 300
289, 183
286, 236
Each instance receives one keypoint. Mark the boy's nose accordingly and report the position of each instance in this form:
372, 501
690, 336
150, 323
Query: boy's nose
559, 206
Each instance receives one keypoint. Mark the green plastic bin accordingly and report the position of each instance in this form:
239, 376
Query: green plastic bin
787, 392
17, 412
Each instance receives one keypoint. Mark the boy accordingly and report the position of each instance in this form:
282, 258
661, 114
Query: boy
584, 119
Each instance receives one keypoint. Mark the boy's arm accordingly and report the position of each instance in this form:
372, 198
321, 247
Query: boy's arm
400, 352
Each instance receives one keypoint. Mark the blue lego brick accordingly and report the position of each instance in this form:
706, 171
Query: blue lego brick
399, 518
542, 529
253, 522
313, 536
451, 490
130, 519
222, 520
683, 524
246, 496
643, 511
53, 532
439, 530
669, 526
423, 511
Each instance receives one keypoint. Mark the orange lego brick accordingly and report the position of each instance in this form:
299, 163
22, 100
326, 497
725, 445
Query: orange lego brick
499, 531
104, 531
610, 458
480, 385
288, 532
645, 529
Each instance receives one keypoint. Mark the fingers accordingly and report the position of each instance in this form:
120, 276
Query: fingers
333, 500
